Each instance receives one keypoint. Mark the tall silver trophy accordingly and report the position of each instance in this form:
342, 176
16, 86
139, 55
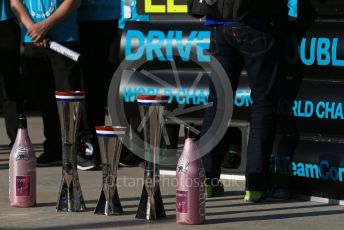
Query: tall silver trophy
151, 206
110, 145
70, 198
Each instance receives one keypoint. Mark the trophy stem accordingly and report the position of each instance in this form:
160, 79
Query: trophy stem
109, 203
70, 198
151, 205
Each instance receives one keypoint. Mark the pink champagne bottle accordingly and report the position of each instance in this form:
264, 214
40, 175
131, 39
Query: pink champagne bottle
22, 173
190, 200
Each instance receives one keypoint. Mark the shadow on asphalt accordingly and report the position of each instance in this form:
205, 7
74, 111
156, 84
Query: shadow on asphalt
4, 149
275, 216
4, 166
265, 210
259, 208
94, 202
262, 203
171, 219
115, 224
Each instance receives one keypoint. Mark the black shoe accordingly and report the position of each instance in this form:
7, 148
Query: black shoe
128, 159
232, 158
87, 144
214, 190
277, 194
218, 189
86, 163
47, 160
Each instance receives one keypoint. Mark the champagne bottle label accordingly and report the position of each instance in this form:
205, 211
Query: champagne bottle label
182, 166
182, 201
23, 153
23, 185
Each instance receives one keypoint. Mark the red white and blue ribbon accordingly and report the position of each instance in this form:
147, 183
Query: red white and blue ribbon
110, 131
151, 100
70, 95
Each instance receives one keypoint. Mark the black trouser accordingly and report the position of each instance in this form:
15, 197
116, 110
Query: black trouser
9, 74
98, 39
237, 47
48, 72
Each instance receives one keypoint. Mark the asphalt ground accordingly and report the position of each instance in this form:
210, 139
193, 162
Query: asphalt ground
226, 212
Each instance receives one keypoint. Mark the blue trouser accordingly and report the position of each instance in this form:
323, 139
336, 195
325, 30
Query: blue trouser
237, 47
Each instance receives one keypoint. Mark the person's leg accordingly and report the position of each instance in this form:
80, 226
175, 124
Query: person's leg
96, 39
232, 63
260, 53
37, 67
232, 158
9, 74
66, 72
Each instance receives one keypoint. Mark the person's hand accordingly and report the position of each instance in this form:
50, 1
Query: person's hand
43, 44
38, 31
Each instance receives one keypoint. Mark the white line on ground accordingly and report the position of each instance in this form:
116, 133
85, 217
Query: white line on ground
223, 176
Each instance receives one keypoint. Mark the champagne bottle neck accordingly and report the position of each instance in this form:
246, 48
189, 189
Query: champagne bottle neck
22, 122
190, 140
190, 143
190, 149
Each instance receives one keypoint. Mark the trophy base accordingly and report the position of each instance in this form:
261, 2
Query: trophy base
70, 197
151, 208
109, 207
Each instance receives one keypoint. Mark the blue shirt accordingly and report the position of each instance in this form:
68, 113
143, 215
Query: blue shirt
292, 5
129, 7
5, 10
40, 10
97, 10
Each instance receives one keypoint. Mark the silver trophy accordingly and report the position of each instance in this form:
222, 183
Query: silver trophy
70, 198
110, 145
151, 206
